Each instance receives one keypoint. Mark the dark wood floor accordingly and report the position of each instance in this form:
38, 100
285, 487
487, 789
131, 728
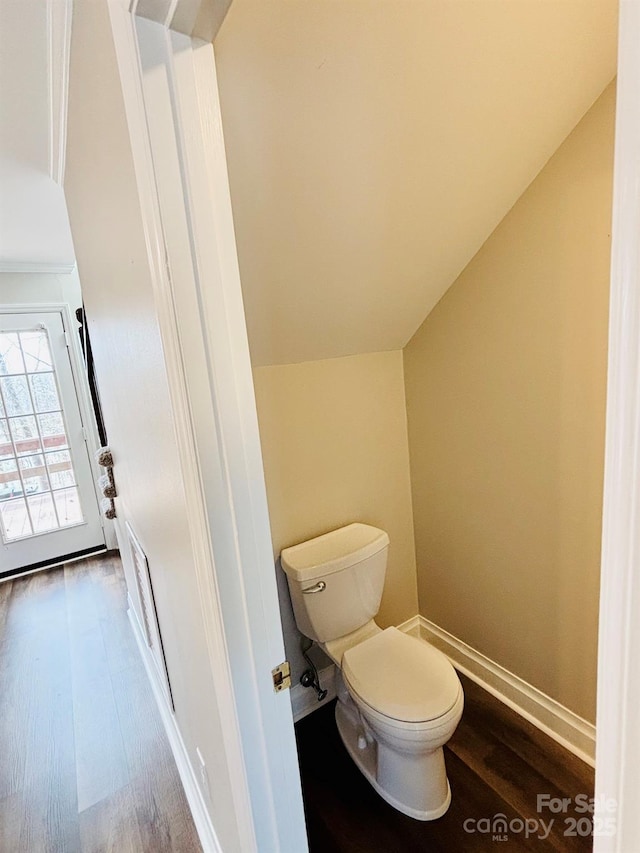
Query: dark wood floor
497, 764
85, 765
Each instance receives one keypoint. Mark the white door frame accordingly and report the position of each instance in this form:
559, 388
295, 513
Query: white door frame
176, 135
618, 714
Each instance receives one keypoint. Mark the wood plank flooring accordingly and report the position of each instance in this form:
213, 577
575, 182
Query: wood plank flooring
85, 766
497, 764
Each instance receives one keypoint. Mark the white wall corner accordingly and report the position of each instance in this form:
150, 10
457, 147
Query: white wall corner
199, 811
199, 19
59, 15
556, 721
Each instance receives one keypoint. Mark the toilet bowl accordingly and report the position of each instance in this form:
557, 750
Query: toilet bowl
399, 699
399, 702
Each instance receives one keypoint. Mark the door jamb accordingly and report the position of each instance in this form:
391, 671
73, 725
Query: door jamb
123, 34
617, 816
260, 750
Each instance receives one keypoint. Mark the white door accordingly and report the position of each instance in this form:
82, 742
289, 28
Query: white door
48, 505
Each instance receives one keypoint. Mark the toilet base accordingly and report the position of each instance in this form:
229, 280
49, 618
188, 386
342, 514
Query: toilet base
365, 757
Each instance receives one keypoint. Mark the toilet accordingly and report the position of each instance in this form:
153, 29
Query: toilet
399, 699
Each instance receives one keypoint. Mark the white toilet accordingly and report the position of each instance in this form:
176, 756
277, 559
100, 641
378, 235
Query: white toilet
399, 699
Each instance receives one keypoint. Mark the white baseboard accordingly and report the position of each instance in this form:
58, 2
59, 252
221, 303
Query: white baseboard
199, 811
304, 700
568, 729
411, 626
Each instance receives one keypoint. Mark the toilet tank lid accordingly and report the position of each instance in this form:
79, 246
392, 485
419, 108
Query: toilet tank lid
333, 551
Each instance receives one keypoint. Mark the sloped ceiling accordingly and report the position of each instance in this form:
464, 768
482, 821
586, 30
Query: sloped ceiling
374, 145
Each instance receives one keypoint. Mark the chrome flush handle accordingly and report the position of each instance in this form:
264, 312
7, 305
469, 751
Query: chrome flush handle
316, 588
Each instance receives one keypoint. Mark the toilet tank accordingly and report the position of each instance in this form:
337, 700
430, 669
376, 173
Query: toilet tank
336, 580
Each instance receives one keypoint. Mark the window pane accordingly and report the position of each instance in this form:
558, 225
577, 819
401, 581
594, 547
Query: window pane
45, 393
34, 475
10, 355
68, 506
42, 512
7, 466
16, 395
35, 461
60, 469
52, 428
10, 485
2, 411
35, 348
6, 448
15, 519
25, 435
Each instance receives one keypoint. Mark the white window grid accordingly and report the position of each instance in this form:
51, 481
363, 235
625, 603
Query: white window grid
43, 452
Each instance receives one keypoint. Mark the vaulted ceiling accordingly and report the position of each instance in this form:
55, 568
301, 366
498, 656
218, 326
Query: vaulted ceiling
374, 145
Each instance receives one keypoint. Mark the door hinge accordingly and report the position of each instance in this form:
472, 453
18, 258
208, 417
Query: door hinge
281, 677
67, 339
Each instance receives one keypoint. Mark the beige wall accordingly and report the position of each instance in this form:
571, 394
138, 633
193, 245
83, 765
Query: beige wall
112, 258
334, 443
505, 385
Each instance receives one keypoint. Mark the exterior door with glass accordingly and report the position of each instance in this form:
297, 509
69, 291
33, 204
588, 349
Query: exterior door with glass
48, 504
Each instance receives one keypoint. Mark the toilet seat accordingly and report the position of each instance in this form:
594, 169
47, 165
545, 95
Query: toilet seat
402, 678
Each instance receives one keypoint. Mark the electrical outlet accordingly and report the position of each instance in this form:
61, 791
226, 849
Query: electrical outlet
204, 777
